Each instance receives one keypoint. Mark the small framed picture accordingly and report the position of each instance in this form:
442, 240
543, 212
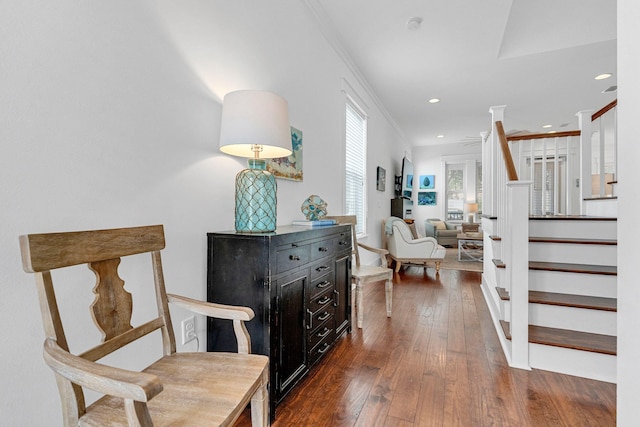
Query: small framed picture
427, 181
381, 179
427, 198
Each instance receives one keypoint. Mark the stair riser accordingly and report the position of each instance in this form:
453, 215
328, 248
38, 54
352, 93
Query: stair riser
601, 367
565, 229
573, 253
574, 319
596, 285
606, 207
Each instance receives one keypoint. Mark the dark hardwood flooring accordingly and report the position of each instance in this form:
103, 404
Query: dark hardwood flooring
436, 362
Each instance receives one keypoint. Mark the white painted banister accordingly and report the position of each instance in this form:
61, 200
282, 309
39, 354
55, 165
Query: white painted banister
517, 243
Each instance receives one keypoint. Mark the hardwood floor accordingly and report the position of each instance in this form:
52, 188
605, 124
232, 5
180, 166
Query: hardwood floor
436, 362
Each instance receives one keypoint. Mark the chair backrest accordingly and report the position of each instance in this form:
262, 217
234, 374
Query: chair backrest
112, 307
351, 220
401, 227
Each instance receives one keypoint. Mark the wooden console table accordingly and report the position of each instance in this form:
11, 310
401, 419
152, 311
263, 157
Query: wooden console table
297, 280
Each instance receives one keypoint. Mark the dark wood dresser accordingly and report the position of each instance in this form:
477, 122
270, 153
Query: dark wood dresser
297, 280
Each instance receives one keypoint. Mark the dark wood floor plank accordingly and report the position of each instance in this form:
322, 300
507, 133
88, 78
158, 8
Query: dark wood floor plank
455, 373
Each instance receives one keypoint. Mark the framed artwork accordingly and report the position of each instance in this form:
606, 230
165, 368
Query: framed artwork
289, 167
427, 198
427, 181
381, 179
409, 183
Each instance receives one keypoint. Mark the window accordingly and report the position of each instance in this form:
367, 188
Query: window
355, 154
455, 191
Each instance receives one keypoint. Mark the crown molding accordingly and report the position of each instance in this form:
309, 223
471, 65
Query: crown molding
328, 30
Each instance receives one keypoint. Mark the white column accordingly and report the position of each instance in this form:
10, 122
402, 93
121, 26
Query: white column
584, 123
517, 243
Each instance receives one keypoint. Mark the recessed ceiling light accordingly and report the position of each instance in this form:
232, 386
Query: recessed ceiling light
547, 126
610, 89
440, 136
434, 100
553, 131
603, 76
414, 23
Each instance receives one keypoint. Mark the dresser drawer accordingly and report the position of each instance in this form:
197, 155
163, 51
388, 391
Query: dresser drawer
323, 248
325, 330
321, 268
321, 284
291, 256
320, 349
321, 301
342, 242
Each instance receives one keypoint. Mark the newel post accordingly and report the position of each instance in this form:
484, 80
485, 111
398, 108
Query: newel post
491, 171
584, 123
518, 270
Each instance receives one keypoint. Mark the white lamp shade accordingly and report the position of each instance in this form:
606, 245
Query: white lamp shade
253, 117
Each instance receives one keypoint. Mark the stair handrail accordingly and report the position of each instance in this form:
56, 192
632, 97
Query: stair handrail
512, 175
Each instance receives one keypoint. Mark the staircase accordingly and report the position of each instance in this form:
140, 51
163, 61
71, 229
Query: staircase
572, 295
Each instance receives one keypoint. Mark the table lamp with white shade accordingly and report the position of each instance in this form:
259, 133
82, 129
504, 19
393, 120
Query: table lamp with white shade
472, 208
255, 124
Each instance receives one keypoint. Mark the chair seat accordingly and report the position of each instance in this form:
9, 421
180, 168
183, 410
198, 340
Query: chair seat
370, 272
225, 377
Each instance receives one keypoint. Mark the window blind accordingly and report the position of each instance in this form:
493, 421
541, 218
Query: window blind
355, 149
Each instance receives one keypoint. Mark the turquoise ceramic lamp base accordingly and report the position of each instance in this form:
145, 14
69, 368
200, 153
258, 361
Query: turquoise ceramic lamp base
256, 203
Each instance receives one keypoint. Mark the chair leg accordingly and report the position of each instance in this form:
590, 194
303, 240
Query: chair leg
388, 290
260, 403
398, 265
437, 267
359, 310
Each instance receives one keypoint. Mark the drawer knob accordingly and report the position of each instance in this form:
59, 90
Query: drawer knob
294, 257
323, 249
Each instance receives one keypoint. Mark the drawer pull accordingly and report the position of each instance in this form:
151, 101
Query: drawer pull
310, 313
323, 268
323, 284
324, 316
323, 249
324, 300
324, 333
337, 298
294, 257
324, 348
343, 242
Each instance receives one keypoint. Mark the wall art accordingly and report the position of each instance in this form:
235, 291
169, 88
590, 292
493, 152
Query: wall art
289, 167
427, 181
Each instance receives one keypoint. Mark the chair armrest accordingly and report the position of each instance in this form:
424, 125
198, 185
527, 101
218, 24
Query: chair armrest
372, 249
210, 309
239, 315
138, 386
381, 252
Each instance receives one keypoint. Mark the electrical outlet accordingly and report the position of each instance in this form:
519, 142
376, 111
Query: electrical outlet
188, 329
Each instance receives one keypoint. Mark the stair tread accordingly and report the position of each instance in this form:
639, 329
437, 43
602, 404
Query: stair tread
577, 340
571, 218
498, 263
580, 241
574, 268
566, 300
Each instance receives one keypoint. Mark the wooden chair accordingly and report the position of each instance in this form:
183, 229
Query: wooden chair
362, 274
180, 388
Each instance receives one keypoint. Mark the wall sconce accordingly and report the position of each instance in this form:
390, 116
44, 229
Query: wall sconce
255, 125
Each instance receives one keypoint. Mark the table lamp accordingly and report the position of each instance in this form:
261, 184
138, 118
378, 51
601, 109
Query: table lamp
255, 124
472, 208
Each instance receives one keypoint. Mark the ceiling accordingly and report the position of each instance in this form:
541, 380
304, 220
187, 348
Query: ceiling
539, 58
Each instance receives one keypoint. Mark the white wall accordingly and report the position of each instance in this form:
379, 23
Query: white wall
110, 118
430, 160
628, 229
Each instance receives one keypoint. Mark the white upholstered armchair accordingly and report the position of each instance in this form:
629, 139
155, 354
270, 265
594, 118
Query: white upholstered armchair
404, 249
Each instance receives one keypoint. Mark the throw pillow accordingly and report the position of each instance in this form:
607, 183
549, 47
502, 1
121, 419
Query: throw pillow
440, 225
